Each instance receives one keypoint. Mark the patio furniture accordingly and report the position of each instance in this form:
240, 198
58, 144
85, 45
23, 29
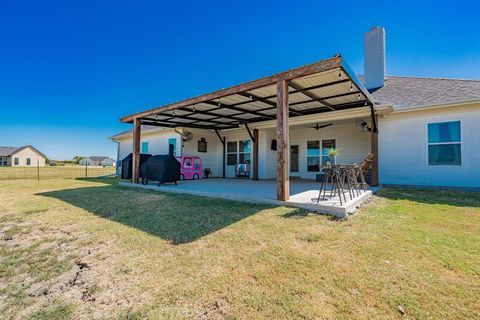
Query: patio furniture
335, 176
207, 172
242, 169
344, 178
362, 170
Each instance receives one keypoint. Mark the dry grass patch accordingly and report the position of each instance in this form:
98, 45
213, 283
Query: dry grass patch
90, 249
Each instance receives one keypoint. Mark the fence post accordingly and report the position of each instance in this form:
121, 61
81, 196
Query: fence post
38, 170
86, 170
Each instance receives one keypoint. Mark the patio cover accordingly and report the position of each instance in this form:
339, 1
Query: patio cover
327, 85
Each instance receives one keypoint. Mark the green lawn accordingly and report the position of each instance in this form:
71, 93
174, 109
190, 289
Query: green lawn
90, 249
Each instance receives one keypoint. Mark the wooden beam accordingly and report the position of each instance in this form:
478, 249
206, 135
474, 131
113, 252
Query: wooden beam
136, 151
323, 65
255, 154
283, 183
311, 95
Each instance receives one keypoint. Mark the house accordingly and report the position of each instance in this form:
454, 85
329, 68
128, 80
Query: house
21, 157
422, 131
97, 161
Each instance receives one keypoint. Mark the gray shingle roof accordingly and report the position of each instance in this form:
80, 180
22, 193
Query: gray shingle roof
7, 151
143, 128
405, 92
99, 158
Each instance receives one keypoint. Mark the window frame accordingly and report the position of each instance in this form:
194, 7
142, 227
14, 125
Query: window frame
428, 144
16, 161
239, 154
231, 152
243, 153
319, 155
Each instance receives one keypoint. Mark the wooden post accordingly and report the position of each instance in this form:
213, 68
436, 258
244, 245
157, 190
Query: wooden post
136, 151
255, 154
283, 183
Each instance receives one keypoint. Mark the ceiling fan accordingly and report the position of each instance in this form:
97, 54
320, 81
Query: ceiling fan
318, 127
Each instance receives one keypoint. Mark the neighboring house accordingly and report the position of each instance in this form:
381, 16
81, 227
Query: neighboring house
97, 161
428, 128
21, 157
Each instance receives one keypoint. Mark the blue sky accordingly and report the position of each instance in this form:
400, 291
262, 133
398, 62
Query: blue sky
70, 69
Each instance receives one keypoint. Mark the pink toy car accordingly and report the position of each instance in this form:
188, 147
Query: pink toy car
190, 168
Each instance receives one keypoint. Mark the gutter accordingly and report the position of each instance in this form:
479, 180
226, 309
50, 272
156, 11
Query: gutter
435, 106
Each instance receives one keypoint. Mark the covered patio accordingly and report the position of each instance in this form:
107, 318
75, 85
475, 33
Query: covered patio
326, 90
303, 193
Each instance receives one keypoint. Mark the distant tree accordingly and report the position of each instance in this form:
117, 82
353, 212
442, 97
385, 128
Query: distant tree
77, 159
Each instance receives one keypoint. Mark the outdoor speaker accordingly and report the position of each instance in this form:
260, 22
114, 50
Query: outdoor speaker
274, 145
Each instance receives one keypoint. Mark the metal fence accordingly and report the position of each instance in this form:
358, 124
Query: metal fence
59, 172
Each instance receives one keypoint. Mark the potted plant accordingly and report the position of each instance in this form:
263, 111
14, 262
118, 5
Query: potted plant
332, 154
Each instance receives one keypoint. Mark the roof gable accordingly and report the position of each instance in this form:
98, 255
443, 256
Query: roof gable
10, 151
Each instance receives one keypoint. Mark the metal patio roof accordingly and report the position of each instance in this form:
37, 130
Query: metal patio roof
327, 85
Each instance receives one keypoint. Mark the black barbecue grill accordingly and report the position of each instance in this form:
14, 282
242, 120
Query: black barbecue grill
127, 165
161, 168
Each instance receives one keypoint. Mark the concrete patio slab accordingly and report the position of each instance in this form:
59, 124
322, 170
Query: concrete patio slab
303, 194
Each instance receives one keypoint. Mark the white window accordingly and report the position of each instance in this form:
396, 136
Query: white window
444, 144
232, 150
239, 152
313, 156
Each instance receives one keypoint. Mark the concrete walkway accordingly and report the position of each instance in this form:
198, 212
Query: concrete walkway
303, 193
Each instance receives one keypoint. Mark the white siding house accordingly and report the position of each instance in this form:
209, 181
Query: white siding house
429, 132
97, 161
21, 157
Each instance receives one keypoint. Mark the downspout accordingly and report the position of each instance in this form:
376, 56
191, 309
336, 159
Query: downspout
222, 140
